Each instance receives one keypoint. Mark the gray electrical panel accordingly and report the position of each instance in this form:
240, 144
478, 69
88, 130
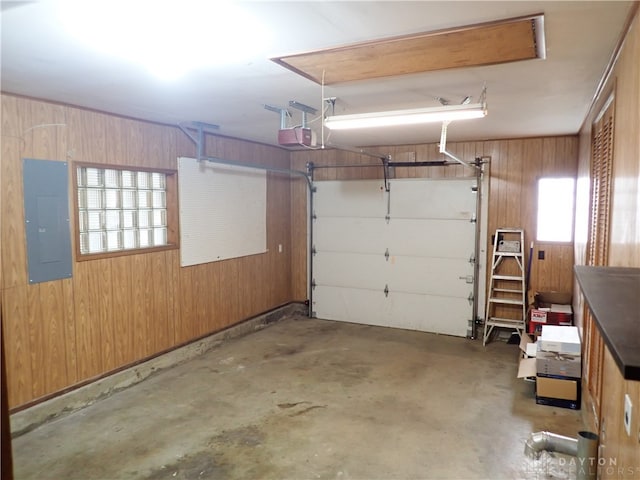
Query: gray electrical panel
47, 224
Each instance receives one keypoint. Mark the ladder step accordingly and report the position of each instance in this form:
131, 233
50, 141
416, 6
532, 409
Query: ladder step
507, 301
508, 254
505, 322
507, 290
509, 230
508, 277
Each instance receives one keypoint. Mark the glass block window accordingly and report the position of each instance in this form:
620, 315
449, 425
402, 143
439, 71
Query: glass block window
121, 209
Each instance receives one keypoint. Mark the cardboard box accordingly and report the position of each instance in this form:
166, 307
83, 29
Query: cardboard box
557, 402
561, 364
555, 314
560, 339
558, 391
545, 299
535, 324
528, 346
560, 388
552, 308
527, 365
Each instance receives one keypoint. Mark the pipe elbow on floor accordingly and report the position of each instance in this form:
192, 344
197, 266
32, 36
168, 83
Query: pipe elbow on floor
549, 442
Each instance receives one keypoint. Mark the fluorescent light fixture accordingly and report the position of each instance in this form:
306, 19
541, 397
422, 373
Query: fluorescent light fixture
414, 116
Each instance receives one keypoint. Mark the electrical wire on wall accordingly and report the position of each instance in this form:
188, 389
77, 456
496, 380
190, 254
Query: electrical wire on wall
22, 134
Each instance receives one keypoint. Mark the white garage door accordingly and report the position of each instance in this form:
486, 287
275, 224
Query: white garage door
397, 259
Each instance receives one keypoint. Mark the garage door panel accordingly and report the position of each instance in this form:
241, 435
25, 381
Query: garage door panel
430, 276
352, 305
362, 198
399, 310
432, 238
363, 235
412, 237
444, 315
350, 270
433, 198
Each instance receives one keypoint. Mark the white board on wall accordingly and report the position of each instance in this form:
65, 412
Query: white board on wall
223, 211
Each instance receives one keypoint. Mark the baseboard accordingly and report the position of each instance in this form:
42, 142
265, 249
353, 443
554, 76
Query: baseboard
85, 395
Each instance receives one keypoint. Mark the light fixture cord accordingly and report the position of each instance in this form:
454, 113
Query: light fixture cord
323, 110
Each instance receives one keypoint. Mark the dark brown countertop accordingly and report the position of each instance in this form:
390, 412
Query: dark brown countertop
613, 296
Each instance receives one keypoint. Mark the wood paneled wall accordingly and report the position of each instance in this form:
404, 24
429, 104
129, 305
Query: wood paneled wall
117, 311
624, 247
515, 166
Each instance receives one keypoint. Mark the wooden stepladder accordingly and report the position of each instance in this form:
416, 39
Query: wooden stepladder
506, 301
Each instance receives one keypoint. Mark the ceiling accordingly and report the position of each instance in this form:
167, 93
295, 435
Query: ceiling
535, 97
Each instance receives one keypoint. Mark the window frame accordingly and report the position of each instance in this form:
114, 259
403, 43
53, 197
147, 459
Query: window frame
601, 183
171, 192
573, 210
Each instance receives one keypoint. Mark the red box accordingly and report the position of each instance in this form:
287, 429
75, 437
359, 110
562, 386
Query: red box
536, 323
541, 311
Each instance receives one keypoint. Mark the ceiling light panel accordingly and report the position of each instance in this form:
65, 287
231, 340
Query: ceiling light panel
509, 40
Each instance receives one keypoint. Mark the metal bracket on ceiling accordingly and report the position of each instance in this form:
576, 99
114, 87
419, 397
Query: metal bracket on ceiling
200, 144
200, 128
443, 146
284, 113
304, 109
443, 136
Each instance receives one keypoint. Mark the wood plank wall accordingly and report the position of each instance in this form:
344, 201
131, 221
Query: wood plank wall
515, 168
624, 247
120, 310
117, 311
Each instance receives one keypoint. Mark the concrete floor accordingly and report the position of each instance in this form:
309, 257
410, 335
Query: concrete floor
307, 399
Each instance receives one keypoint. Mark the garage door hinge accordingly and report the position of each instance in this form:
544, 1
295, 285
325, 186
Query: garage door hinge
467, 278
313, 250
473, 218
472, 258
387, 218
314, 216
386, 290
386, 254
470, 298
313, 283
